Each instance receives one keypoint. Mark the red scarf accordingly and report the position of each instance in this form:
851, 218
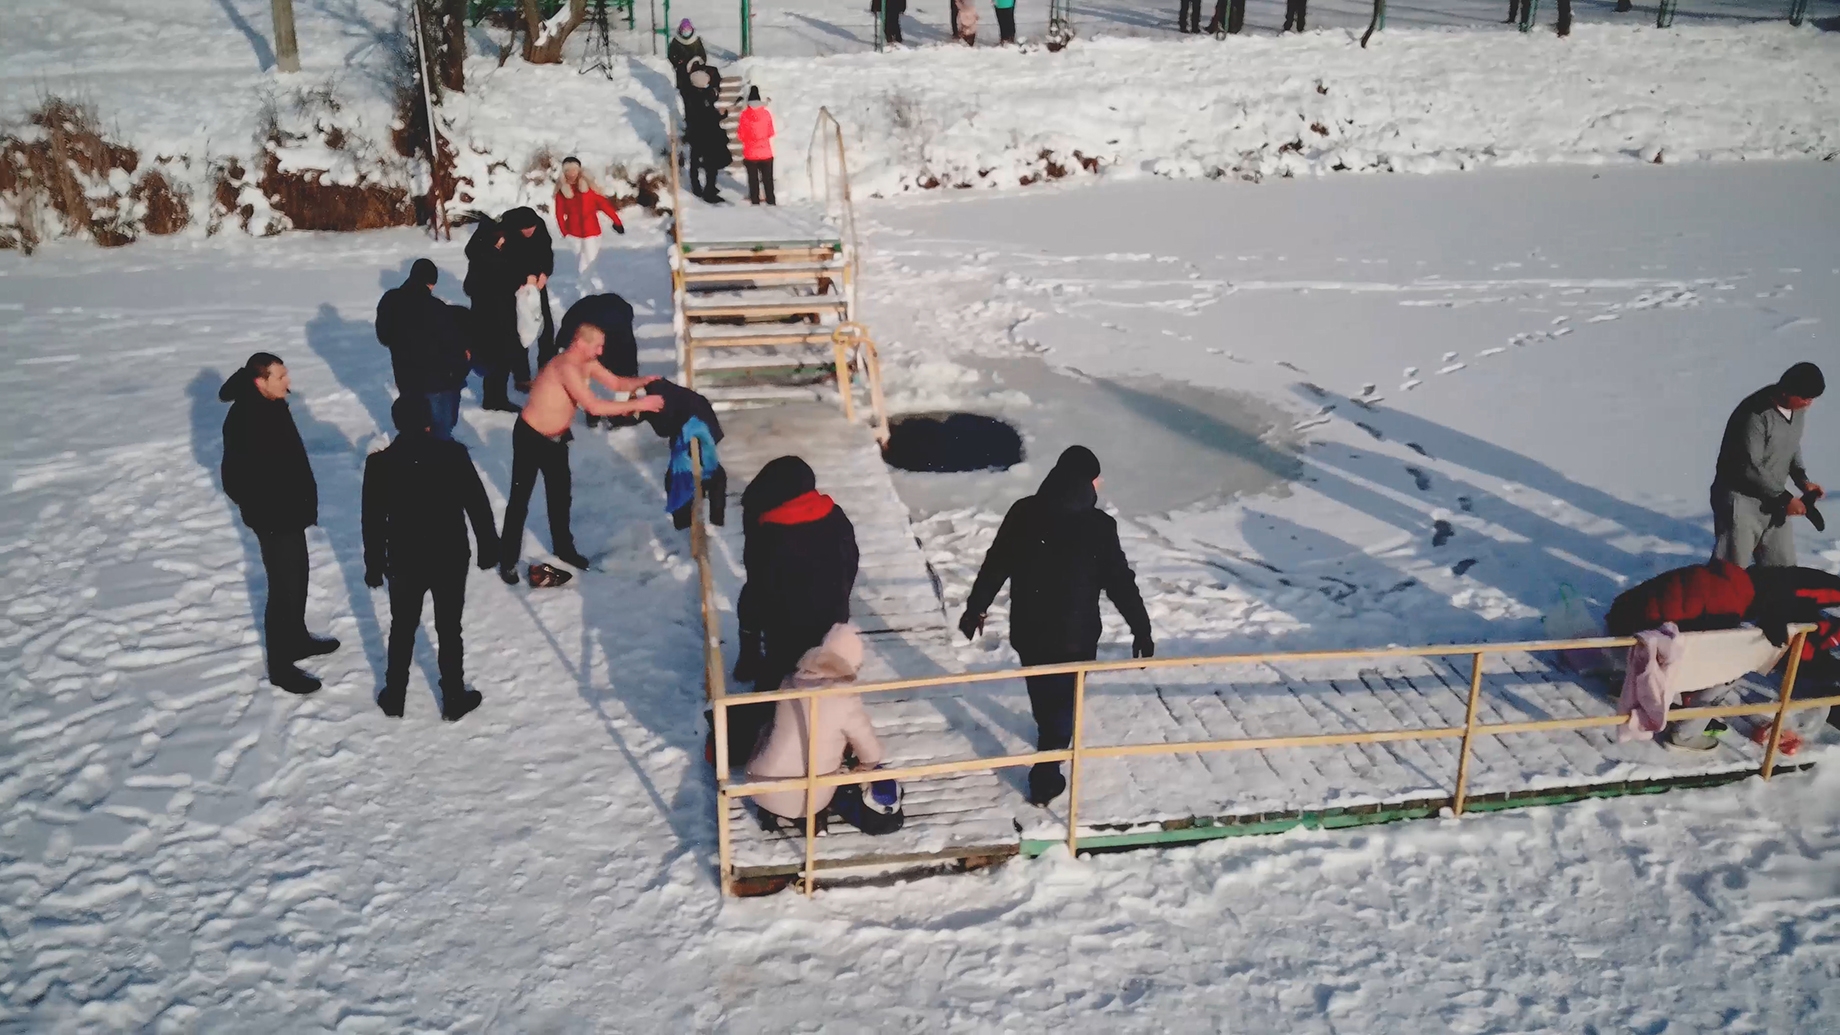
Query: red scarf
800, 509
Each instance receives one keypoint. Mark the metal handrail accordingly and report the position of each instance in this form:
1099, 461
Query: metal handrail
727, 788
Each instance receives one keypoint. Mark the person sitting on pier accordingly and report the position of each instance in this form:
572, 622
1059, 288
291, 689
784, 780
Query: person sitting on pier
799, 551
1058, 550
842, 725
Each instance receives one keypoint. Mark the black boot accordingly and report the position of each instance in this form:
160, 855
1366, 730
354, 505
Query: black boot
574, 559
508, 576
456, 704
318, 645
391, 701
1045, 783
293, 680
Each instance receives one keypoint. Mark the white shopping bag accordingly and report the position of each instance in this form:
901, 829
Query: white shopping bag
529, 314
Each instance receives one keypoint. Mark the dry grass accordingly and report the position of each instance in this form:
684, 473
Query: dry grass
56, 174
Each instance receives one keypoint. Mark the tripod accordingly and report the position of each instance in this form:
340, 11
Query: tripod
598, 57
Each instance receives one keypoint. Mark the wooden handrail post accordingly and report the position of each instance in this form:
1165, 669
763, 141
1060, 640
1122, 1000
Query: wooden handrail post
1469, 731
1782, 703
811, 795
1073, 766
841, 353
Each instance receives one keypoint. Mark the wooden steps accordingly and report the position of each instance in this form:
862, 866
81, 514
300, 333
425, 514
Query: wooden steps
763, 309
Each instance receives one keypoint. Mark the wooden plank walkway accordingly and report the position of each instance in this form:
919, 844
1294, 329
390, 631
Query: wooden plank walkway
981, 816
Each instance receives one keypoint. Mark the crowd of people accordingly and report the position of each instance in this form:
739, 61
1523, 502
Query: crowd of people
699, 86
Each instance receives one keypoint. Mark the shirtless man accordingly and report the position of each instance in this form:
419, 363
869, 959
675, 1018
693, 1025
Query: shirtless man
540, 441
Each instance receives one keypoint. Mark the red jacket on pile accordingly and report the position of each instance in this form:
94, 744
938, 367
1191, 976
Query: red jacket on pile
577, 216
1714, 595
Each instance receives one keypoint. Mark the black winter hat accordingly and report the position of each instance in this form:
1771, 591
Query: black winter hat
411, 413
782, 480
753, 93
1803, 380
1078, 460
519, 218
423, 271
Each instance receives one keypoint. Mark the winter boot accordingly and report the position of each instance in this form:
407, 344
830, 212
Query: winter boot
293, 680
456, 704
1045, 782
318, 645
574, 559
508, 575
391, 701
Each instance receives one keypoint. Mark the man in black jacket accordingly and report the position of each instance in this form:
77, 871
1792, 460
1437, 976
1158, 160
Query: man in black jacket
799, 550
1058, 550
532, 258
266, 473
419, 493
427, 339
492, 282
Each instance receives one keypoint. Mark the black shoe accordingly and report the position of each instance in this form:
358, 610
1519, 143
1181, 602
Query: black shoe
593, 421
459, 705
293, 680
1045, 783
508, 575
391, 701
502, 406
574, 559
318, 645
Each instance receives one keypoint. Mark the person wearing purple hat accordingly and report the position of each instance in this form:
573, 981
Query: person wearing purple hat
684, 46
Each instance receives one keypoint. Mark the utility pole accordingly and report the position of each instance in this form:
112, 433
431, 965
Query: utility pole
287, 48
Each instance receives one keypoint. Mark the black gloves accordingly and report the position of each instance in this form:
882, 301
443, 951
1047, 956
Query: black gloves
1812, 513
971, 625
747, 663
373, 579
1142, 646
1777, 508
618, 229
488, 555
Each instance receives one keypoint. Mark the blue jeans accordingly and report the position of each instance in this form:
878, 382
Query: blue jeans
444, 407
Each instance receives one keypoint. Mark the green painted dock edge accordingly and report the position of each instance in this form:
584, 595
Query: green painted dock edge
1207, 828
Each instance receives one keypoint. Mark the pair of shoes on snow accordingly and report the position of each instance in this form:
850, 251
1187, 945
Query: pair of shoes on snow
455, 707
543, 576
293, 680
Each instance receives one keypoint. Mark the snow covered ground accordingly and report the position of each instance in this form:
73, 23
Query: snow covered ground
190, 80
1551, 352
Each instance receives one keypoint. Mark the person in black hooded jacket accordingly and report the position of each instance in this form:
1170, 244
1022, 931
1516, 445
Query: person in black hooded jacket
531, 256
492, 283
620, 355
427, 339
419, 493
266, 474
799, 551
1058, 551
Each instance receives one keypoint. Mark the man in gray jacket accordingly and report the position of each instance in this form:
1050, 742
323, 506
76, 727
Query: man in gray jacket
1761, 451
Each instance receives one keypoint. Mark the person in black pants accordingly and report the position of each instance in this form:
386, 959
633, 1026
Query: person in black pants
799, 552
419, 492
1058, 551
1189, 16
428, 340
891, 18
266, 474
530, 255
1294, 12
492, 284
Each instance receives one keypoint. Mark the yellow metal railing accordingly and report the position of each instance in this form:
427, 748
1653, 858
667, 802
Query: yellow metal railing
1077, 753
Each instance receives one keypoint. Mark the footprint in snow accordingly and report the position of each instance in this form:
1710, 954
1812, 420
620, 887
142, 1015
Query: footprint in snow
1465, 504
1463, 565
1441, 531
1448, 356
1370, 429
1416, 448
1451, 368
1410, 372
1419, 476
1490, 352
1406, 386
1604, 318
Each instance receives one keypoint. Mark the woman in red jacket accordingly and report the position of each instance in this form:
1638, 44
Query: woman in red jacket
578, 207
756, 132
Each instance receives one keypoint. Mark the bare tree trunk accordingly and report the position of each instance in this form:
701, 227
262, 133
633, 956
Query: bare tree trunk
1565, 17
287, 48
539, 50
450, 44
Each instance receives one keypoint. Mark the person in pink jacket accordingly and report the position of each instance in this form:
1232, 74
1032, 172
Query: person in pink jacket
578, 207
842, 723
756, 132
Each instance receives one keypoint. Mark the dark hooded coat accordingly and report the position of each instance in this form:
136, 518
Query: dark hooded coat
800, 555
614, 316
1058, 552
428, 339
265, 469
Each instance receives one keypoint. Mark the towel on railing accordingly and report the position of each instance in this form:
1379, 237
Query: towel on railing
681, 475
1647, 690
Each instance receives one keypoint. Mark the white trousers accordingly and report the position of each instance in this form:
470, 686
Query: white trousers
587, 249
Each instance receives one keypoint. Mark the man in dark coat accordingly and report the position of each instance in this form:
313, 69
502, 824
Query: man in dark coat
531, 256
266, 473
620, 355
428, 340
492, 284
799, 551
1058, 551
1760, 452
703, 131
419, 494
